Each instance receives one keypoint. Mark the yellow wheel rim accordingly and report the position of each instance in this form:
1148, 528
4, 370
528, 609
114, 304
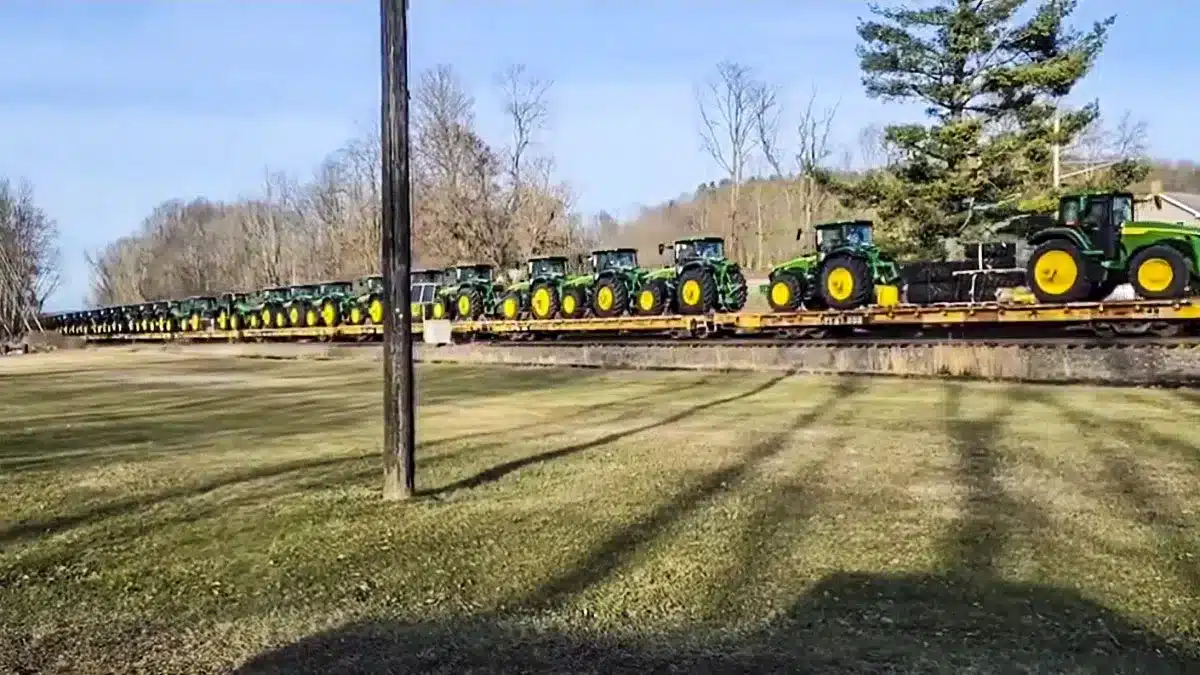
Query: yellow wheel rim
311, 318
1055, 272
266, 317
646, 300
1155, 275
376, 311
541, 301
439, 310
604, 299
356, 315
464, 306
294, 316
254, 321
568, 304
235, 322
195, 322
840, 283
510, 308
691, 292
329, 314
222, 321
781, 294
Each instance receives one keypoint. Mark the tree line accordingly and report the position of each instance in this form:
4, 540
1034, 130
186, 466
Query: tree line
993, 77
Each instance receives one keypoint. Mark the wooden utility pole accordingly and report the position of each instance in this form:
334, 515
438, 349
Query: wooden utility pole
399, 433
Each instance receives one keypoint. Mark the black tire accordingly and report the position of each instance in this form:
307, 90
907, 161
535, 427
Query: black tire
614, 288
447, 309
552, 305
704, 299
1080, 287
738, 291
789, 284
474, 300
510, 300
1175, 286
573, 304
295, 315
652, 299
862, 285
281, 318
331, 314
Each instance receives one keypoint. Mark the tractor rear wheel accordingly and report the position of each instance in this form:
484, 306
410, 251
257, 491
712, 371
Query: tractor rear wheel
573, 304
543, 302
510, 306
846, 282
1058, 272
375, 311
785, 292
652, 299
235, 321
737, 293
469, 304
295, 315
281, 319
441, 309
312, 318
611, 297
697, 291
1159, 272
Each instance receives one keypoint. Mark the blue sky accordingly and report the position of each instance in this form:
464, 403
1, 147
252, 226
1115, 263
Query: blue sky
112, 107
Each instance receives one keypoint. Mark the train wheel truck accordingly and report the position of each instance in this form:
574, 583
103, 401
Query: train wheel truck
1097, 243
702, 278
847, 271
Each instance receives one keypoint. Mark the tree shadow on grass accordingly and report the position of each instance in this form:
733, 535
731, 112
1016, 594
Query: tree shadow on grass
501, 470
845, 623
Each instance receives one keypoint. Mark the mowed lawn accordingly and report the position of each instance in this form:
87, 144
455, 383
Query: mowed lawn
176, 513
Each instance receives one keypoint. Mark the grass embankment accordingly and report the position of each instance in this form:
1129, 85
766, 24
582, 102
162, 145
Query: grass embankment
175, 513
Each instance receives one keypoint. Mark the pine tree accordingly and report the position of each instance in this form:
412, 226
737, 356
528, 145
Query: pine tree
990, 81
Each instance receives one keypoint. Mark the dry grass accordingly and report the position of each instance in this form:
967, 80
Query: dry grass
174, 513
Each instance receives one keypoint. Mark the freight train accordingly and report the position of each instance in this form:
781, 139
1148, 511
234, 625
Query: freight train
1094, 246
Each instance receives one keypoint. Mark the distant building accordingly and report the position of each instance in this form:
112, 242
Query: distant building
1177, 207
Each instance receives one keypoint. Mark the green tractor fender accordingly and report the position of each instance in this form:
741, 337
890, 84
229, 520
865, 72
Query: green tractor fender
1075, 237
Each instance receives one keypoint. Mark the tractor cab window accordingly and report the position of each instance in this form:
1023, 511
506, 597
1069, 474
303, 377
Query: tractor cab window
856, 234
473, 274
1069, 213
1098, 213
541, 268
1122, 210
690, 250
613, 259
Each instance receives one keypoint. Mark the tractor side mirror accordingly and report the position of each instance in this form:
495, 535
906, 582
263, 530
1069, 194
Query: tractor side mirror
1158, 202
662, 248
799, 235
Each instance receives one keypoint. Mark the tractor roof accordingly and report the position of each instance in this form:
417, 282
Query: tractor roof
698, 238
621, 249
838, 224
427, 270
537, 258
1098, 193
472, 266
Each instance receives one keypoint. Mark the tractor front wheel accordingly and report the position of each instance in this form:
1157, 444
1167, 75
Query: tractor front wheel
469, 304
697, 291
785, 293
847, 282
312, 318
510, 307
441, 309
611, 297
330, 316
573, 304
543, 302
1058, 272
295, 315
737, 293
1159, 273
652, 299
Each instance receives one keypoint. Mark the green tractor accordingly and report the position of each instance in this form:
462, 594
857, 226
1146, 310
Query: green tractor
701, 278
423, 287
549, 290
468, 292
314, 305
1098, 244
846, 271
617, 280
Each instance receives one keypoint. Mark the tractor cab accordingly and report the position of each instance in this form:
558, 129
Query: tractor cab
423, 284
849, 233
696, 248
547, 266
463, 274
614, 259
1098, 215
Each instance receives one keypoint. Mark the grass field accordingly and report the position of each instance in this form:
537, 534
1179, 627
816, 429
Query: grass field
177, 513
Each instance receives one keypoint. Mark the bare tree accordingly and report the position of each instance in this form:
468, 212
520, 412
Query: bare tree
813, 134
28, 259
726, 105
1100, 146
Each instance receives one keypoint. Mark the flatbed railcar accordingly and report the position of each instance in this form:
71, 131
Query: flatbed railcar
1164, 318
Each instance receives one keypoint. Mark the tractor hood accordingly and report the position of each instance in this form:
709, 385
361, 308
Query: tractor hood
1156, 227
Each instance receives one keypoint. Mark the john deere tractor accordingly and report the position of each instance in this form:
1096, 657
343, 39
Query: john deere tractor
468, 292
700, 280
548, 290
844, 272
1097, 243
616, 281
